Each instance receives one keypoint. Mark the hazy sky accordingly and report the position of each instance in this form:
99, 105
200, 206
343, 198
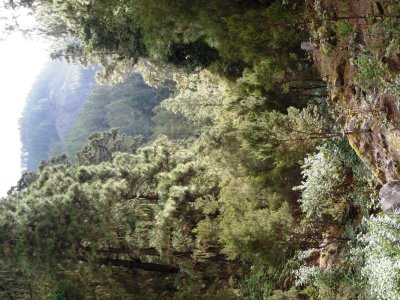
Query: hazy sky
20, 62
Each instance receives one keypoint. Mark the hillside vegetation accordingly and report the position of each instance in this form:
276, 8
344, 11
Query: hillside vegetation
51, 107
128, 106
257, 155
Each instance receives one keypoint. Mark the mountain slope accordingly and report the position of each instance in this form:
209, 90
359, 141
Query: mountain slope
51, 107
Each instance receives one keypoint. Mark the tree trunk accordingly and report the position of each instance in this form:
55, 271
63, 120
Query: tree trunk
154, 252
133, 264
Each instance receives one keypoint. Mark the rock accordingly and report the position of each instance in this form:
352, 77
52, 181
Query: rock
307, 46
390, 196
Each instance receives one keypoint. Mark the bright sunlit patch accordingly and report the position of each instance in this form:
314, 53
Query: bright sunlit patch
20, 62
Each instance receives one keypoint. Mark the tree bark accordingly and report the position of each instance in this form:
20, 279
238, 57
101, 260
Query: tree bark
154, 252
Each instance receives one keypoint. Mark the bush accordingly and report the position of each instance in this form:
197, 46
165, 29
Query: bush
66, 290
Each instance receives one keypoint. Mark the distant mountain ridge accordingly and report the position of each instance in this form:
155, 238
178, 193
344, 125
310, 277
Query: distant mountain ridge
51, 108
65, 105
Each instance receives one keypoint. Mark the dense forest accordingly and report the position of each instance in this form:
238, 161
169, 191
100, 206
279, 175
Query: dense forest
128, 106
65, 106
234, 150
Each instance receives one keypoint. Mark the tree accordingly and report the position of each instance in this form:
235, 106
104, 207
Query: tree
274, 134
102, 146
124, 211
232, 35
128, 106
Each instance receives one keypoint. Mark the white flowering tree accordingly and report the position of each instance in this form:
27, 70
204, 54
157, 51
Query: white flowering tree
382, 257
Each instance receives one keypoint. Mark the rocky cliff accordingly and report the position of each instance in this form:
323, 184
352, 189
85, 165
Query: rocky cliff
357, 54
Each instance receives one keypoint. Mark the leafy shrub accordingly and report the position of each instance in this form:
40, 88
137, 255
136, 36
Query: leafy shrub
342, 28
381, 253
66, 290
371, 72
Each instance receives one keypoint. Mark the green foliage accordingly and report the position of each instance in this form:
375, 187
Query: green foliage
128, 105
258, 226
335, 183
263, 283
187, 34
27, 178
170, 197
371, 72
137, 205
324, 190
342, 28
340, 283
368, 268
257, 285
377, 61
174, 125
102, 146
380, 252
211, 190
274, 134
67, 291
335, 192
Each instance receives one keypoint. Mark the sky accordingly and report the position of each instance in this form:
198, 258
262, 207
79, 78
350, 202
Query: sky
21, 61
